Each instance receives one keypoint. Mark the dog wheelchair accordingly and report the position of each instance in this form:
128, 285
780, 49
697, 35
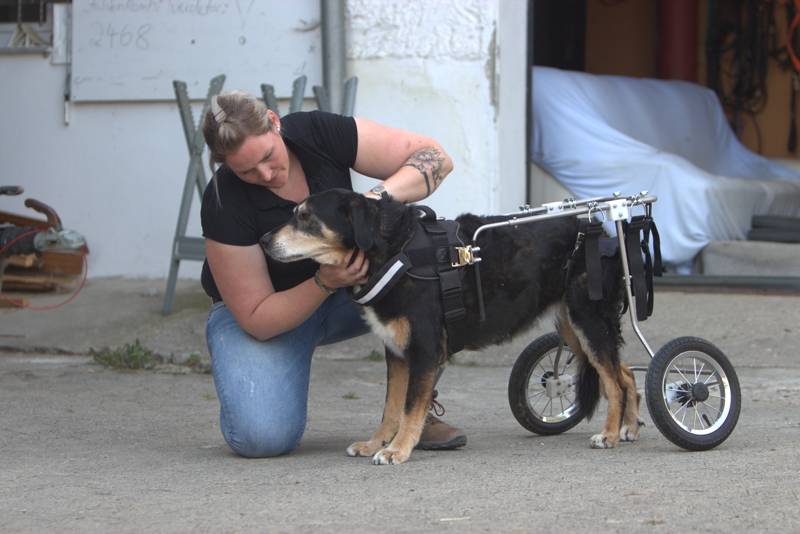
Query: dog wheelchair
691, 388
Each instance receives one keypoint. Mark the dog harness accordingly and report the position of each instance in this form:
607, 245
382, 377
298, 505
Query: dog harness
435, 251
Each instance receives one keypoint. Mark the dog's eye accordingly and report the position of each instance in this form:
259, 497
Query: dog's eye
302, 216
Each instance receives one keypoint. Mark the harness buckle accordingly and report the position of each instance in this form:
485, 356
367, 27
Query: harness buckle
467, 255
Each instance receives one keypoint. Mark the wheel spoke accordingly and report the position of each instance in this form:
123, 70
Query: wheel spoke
543, 368
681, 373
684, 412
710, 376
707, 405
681, 407
700, 371
698, 418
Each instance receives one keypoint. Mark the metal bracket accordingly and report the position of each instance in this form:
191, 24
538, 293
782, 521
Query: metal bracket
553, 207
619, 209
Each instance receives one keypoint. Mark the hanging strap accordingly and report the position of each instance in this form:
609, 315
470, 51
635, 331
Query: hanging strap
594, 269
633, 247
453, 307
450, 284
643, 266
579, 241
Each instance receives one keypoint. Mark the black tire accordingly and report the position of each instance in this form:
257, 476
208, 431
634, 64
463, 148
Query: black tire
774, 235
778, 222
531, 371
691, 377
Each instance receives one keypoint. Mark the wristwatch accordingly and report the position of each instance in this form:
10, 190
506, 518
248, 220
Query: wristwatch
379, 191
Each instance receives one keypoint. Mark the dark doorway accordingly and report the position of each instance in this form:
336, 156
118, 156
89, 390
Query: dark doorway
559, 33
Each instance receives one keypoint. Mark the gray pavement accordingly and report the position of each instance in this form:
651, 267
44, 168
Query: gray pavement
85, 448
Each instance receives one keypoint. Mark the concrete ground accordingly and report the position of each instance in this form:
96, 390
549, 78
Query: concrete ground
86, 448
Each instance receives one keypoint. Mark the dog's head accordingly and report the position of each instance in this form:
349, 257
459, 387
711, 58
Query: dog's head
325, 227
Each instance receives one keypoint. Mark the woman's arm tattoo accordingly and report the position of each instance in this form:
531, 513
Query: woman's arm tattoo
428, 161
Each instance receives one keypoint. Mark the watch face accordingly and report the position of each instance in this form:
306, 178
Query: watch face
378, 190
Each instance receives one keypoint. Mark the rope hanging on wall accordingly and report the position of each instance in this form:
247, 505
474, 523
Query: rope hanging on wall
741, 38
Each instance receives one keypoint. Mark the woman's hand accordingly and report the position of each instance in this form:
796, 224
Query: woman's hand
336, 276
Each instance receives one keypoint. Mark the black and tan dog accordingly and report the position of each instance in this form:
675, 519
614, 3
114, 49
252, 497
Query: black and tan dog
522, 275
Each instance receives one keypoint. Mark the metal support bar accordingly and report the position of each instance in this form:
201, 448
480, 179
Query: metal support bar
628, 292
185, 248
321, 94
541, 214
349, 103
268, 92
333, 52
298, 93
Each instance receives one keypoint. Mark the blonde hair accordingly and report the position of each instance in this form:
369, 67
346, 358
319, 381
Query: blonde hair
232, 117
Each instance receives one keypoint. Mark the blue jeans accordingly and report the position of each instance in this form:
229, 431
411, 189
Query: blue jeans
263, 385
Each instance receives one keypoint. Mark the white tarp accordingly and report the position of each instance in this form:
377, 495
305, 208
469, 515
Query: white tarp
599, 134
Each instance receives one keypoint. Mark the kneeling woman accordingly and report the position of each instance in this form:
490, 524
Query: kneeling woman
267, 317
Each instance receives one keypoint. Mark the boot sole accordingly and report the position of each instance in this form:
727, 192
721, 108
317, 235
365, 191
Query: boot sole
455, 443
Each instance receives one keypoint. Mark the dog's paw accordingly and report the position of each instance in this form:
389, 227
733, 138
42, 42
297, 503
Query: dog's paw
390, 457
601, 441
364, 448
631, 433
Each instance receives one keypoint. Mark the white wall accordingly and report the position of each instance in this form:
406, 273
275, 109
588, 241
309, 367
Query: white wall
116, 172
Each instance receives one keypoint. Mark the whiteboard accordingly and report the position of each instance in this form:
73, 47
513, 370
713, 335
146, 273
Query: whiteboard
134, 49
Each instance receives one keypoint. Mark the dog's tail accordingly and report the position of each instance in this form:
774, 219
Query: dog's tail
588, 388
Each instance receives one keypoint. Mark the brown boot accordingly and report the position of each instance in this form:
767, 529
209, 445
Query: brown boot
438, 435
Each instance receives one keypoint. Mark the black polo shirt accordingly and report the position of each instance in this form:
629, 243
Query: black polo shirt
326, 145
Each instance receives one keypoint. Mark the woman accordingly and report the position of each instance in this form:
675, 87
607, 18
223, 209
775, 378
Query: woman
267, 317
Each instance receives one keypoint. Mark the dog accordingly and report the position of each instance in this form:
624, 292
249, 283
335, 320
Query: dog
522, 275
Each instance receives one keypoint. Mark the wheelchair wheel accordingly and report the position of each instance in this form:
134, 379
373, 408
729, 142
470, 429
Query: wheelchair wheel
539, 401
693, 393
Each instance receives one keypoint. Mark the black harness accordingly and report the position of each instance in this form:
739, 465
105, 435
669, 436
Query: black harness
431, 253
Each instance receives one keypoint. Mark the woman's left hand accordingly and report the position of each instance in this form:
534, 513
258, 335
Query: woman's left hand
347, 274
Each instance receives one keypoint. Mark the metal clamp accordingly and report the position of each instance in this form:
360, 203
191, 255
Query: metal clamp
467, 255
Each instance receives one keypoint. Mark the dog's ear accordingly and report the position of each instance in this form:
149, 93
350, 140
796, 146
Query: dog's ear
364, 217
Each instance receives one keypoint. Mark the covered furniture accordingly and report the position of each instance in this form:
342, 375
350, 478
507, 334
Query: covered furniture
599, 134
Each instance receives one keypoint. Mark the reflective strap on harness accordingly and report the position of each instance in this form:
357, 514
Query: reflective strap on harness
383, 280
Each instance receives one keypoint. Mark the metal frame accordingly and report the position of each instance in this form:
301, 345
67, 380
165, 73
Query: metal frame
184, 247
612, 208
320, 95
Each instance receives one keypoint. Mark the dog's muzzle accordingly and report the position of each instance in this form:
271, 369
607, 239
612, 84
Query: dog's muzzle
273, 248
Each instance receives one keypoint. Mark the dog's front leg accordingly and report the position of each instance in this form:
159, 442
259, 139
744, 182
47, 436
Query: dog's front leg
396, 384
418, 399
